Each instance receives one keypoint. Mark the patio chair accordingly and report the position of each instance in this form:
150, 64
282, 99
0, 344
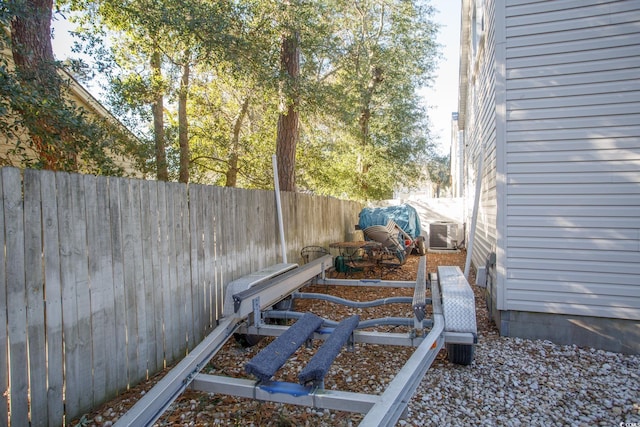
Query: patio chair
309, 253
389, 236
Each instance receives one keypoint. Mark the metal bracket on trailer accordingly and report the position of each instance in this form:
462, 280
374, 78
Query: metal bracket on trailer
419, 302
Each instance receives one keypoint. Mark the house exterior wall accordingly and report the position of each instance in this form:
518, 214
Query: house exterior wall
563, 167
573, 158
478, 120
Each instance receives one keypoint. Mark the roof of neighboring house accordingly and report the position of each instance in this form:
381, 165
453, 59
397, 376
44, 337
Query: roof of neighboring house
90, 102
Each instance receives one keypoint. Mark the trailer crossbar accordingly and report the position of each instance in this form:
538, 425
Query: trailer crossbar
305, 396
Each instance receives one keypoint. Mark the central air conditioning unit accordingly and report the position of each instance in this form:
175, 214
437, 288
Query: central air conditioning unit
444, 235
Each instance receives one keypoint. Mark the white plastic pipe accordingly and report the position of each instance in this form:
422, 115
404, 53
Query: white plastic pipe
283, 244
474, 216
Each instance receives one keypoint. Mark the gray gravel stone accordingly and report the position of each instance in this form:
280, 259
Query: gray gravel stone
515, 382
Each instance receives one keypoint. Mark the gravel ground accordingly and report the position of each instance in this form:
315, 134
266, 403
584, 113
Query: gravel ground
511, 382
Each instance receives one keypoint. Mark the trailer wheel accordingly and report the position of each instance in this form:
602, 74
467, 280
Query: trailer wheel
460, 354
246, 340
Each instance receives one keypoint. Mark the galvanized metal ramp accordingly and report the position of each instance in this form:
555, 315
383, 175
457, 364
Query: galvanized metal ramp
253, 304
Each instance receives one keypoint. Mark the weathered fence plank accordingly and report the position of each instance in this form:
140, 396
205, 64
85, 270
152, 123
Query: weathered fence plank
78, 288
183, 274
163, 284
212, 266
151, 267
119, 341
103, 315
129, 279
141, 330
53, 286
4, 374
69, 303
176, 291
145, 292
230, 204
156, 285
227, 222
172, 324
196, 251
83, 360
246, 260
192, 255
35, 299
185, 260
16, 294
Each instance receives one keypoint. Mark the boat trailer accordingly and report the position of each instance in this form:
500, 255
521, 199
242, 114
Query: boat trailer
251, 300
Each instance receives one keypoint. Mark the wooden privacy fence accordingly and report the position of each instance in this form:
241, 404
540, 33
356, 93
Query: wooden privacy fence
105, 281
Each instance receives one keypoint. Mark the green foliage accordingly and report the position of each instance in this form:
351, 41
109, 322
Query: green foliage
439, 170
363, 129
45, 128
379, 54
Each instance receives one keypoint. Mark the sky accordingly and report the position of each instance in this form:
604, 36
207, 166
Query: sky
441, 99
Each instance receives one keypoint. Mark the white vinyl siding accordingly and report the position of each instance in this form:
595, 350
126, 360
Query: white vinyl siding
572, 157
480, 138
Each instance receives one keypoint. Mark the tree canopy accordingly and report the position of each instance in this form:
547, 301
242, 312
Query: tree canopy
43, 127
213, 89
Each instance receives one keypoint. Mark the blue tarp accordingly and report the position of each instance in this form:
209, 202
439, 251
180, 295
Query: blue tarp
404, 215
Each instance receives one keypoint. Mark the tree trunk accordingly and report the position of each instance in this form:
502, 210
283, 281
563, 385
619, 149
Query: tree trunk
364, 121
183, 130
234, 149
31, 42
367, 97
287, 138
35, 65
157, 108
